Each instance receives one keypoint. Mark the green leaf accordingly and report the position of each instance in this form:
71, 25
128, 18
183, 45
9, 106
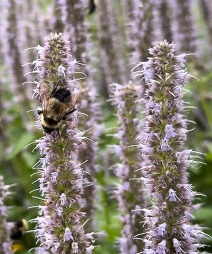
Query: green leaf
21, 144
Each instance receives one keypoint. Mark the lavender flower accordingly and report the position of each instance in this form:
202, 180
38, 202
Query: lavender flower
75, 28
5, 243
206, 9
56, 23
3, 134
11, 49
184, 30
60, 227
31, 29
130, 205
11, 45
110, 41
166, 21
128, 8
142, 29
88, 121
166, 161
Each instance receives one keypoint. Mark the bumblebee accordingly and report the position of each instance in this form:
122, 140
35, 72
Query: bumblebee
17, 246
92, 6
17, 229
56, 106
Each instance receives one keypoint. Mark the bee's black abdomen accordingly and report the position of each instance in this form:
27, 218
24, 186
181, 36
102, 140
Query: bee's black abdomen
92, 7
62, 94
16, 232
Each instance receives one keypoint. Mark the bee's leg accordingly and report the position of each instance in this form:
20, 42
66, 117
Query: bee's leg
54, 90
69, 113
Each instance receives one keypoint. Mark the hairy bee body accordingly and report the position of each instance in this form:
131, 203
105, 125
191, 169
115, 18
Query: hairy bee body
18, 228
55, 107
92, 6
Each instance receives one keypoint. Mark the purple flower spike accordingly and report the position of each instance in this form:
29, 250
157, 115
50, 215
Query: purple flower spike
142, 29
128, 170
77, 30
60, 226
166, 161
184, 29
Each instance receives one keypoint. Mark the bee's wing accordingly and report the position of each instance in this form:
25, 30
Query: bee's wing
45, 93
71, 103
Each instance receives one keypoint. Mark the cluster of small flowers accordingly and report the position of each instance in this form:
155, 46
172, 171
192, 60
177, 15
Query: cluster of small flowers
55, 65
130, 205
111, 60
60, 223
61, 185
165, 160
11, 52
142, 29
77, 30
89, 122
74, 27
183, 26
